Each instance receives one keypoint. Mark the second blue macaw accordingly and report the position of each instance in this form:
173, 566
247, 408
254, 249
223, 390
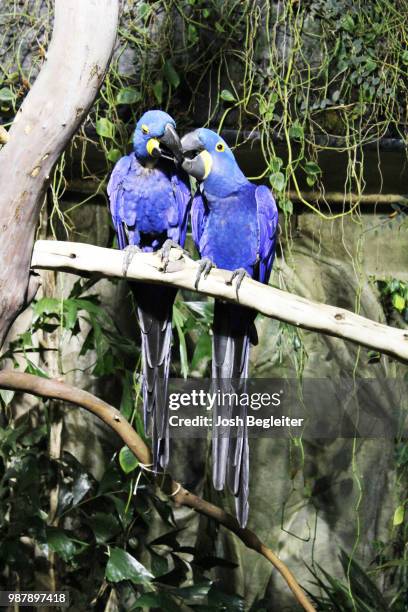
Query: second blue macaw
149, 202
234, 224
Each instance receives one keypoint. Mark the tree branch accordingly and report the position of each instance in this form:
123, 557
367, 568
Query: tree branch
79, 53
56, 389
85, 259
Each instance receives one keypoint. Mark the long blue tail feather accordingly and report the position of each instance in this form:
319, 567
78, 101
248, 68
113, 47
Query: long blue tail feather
154, 308
233, 330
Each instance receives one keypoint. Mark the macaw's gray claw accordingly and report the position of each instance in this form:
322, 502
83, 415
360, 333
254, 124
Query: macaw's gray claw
165, 251
238, 274
128, 253
204, 268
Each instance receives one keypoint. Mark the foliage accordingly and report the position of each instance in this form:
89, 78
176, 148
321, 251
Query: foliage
99, 533
394, 294
310, 74
359, 592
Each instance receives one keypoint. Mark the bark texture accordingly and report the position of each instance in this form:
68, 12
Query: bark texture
60, 99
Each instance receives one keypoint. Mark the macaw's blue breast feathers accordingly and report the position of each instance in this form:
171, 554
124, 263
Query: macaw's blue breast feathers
148, 206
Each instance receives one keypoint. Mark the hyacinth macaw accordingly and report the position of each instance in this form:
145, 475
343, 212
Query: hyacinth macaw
234, 225
149, 203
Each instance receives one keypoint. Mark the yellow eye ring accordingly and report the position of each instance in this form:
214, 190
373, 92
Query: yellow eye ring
220, 147
145, 129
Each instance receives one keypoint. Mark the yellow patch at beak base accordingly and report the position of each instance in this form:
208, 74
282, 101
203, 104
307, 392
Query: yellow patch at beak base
207, 159
152, 144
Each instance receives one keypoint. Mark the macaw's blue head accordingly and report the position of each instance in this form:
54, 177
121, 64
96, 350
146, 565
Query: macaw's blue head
155, 136
209, 159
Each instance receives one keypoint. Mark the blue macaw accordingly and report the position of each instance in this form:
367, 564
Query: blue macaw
234, 224
149, 201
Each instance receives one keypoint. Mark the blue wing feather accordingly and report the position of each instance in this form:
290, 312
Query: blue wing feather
198, 218
178, 222
267, 226
116, 196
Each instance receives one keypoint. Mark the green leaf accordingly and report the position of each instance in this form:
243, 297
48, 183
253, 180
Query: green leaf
104, 526
114, 155
404, 57
47, 306
111, 479
159, 601
224, 601
336, 95
398, 516
227, 95
60, 543
277, 180
192, 33
394, 285
158, 91
171, 74
128, 95
286, 205
275, 164
348, 23
127, 460
6, 94
158, 563
202, 351
105, 128
70, 313
370, 65
398, 302
312, 168
127, 403
296, 131
195, 593
32, 368
266, 108
122, 566
144, 10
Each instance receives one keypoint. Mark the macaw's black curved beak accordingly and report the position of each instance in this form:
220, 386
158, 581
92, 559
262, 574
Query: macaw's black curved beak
195, 167
171, 141
194, 162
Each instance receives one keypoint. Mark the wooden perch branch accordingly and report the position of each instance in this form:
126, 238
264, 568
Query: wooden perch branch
82, 43
56, 389
84, 259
